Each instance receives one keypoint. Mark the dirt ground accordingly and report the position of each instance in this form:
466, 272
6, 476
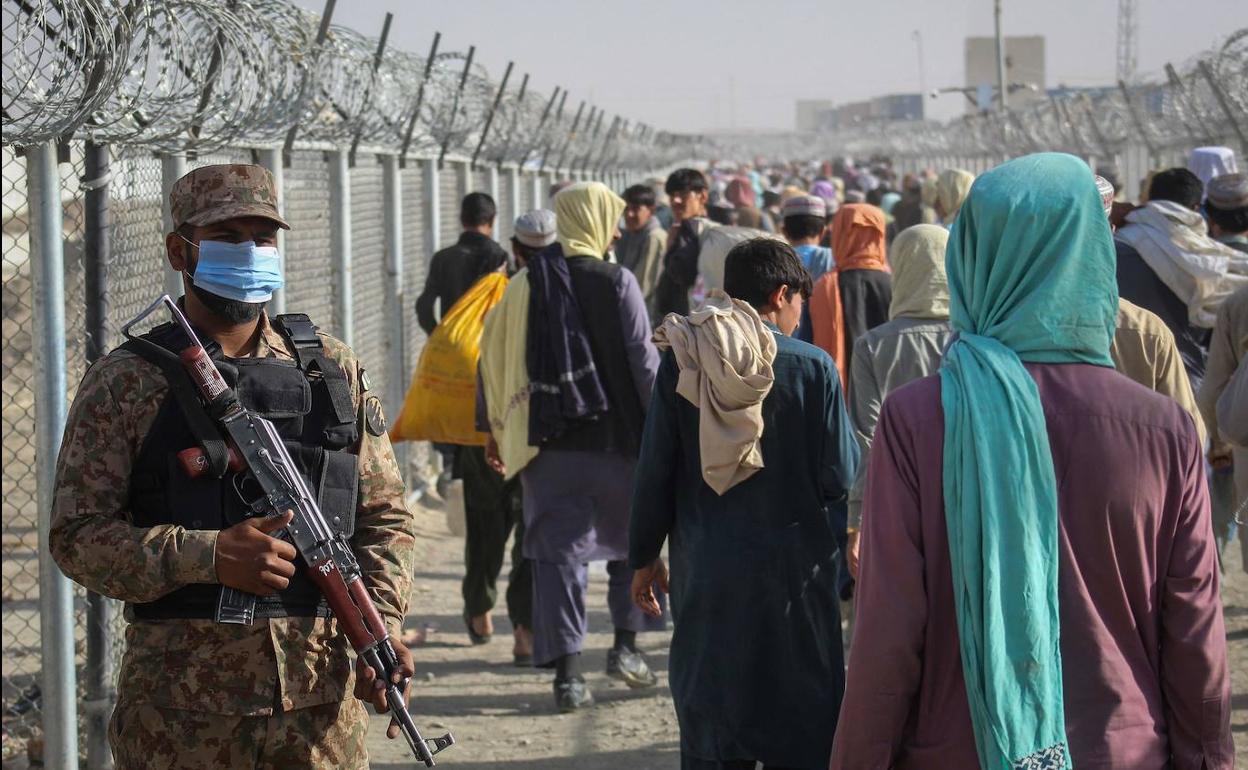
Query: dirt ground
504, 717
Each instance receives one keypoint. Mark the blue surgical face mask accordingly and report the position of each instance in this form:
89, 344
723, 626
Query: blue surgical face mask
243, 271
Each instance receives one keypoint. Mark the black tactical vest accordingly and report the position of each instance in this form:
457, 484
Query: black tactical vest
308, 400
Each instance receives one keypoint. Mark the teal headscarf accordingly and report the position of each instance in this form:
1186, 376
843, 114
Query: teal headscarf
1031, 270
889, 200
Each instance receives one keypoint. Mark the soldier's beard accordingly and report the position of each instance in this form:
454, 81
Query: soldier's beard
231, 310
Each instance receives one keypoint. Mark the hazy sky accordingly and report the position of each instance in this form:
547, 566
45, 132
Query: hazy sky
694, 66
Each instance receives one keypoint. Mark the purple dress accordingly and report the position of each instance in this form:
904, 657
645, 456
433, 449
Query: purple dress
1143, 642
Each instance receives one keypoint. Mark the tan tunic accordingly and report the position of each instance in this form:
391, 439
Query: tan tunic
1144, 350
1227, 351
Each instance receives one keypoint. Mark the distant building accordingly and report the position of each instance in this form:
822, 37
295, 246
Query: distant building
888, 108
1024, 65
808, 111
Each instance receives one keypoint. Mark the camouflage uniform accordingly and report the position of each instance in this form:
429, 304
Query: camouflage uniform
189, 688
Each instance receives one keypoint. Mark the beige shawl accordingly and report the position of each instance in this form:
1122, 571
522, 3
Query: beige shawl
724, 352
505, 374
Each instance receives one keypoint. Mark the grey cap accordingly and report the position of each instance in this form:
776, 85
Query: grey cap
804, 205
536, 228
1229, 191
1106, 190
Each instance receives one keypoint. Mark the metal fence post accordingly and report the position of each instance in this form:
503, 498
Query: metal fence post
494, 193
463, 178
396, 338
271, 159
56, 603
433, 204
535, 190
100, 610
172, 168
1220, 95
340, 242
513, 186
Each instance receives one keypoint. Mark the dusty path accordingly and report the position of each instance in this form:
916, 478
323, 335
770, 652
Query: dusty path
504, 717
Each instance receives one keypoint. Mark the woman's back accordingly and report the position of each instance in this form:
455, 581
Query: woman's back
1144, 668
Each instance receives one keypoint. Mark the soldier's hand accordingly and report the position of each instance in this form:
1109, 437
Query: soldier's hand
370, 689
250, 559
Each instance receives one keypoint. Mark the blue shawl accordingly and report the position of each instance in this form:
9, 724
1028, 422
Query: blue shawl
563, 380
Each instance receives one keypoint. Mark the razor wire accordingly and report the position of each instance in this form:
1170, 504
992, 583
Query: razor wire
197, 75
1204, 100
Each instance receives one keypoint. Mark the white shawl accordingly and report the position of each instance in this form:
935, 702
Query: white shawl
1174, 241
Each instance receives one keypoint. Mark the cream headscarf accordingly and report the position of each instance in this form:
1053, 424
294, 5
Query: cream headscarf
587, 215
952, 187
920, 289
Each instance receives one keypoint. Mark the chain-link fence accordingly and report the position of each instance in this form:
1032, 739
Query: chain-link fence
370, 148
20, 571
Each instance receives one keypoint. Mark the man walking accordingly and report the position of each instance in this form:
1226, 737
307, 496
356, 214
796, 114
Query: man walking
641, 245
487, 501
746, 451
457, 267
688, 192
567, 367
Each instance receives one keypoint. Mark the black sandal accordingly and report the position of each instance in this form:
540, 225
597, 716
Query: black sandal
477, 639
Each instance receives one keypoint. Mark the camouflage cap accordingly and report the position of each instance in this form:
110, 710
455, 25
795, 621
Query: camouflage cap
211, 194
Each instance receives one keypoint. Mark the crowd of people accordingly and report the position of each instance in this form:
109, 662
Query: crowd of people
1002, 421
993, 418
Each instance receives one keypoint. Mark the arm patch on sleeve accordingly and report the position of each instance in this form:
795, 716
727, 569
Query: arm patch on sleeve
374, 419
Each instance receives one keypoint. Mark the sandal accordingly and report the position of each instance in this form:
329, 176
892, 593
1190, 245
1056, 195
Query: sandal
476, 638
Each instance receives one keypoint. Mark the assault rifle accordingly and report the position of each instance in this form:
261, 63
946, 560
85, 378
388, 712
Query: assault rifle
255, 446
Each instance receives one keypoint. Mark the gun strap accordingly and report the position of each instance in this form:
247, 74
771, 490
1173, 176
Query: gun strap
299, 330
202, 427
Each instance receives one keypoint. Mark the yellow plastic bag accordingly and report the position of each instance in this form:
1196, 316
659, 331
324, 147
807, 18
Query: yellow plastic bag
441, 402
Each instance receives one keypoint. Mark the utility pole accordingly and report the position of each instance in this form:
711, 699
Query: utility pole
1001, 85
918, 43
1126, 41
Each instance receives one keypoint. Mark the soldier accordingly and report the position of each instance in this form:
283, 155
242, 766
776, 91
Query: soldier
129, 524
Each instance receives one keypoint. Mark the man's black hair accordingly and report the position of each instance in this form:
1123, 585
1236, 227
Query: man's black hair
721, 214
684, 180
754, 269
1233, 221
804, 226
876, 196
639, 195
1110, 174
1177, 185
477, 209
771, 198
